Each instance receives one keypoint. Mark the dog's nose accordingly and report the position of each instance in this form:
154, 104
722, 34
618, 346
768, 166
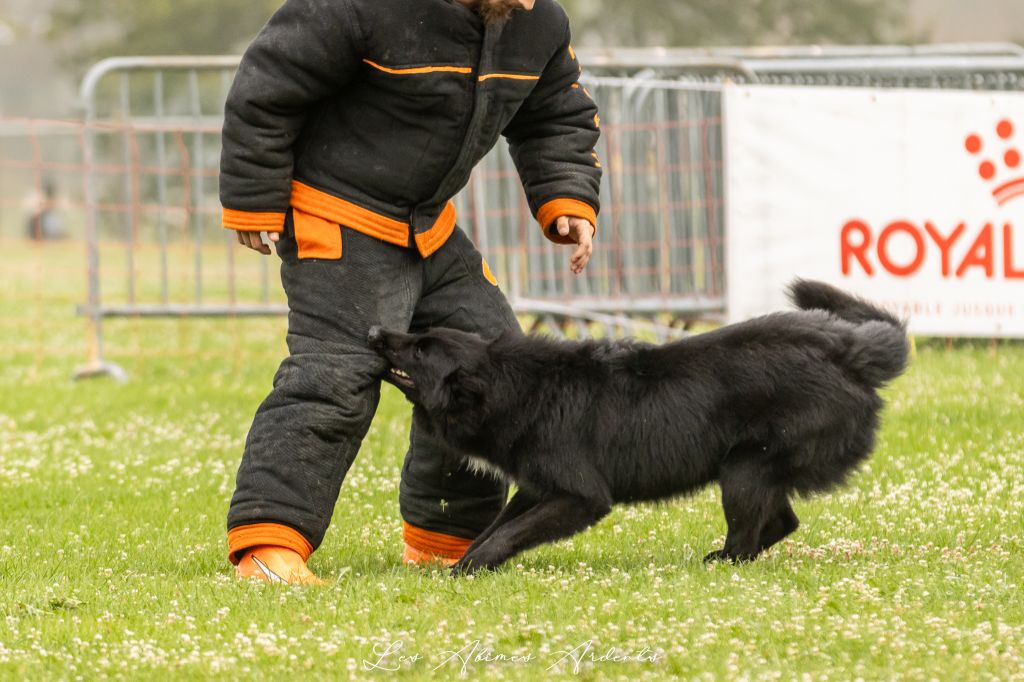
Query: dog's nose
376, 336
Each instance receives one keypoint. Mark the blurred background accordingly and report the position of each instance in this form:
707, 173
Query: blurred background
113, 263
50, 43
111, 177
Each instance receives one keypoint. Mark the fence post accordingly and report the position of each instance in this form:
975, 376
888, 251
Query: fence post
95, 366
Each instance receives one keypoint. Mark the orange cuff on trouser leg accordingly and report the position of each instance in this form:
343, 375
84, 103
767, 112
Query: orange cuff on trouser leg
425, 545
242, 538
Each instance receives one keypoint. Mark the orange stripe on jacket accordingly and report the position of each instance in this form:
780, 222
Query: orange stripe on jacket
337, 210
334, 209
420, 69
316, 237
510, 76
430, 241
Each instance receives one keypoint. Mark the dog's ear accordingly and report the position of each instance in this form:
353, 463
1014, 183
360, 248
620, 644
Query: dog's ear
466, 395
437, 397
456, 389
461, 377
470, 385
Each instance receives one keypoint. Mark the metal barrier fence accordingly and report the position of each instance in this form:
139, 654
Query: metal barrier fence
151, 152
984, 66
144, 166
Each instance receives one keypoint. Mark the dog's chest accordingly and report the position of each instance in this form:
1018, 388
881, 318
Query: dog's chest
479, 465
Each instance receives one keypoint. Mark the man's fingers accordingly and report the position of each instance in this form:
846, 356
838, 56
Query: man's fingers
579, 259
253, 241
583, 232
563, 226
257, 238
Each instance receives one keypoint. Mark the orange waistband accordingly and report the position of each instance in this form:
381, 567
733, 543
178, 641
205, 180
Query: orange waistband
337, 210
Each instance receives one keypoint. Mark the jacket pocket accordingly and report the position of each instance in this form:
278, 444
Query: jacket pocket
316, 237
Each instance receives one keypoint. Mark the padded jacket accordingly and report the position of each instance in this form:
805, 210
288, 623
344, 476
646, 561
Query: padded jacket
373, 113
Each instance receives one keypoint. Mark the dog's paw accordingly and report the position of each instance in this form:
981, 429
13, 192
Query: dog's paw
474, 562
463, 567
722, 555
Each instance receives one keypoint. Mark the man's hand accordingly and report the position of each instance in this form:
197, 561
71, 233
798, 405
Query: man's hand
582, 232
254, 240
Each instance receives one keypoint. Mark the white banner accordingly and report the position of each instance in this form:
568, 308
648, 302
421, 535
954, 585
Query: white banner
912, 198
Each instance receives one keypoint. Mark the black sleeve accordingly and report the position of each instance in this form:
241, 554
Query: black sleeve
552, 139
309, 50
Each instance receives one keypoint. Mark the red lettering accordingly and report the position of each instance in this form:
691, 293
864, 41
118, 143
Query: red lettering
980, 254
883, 255
1008, 270
850, 250
944, 243
857, 240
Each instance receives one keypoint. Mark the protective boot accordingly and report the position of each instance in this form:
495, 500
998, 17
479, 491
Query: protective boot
272, 564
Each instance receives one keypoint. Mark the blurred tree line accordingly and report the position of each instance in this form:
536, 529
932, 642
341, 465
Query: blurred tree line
705, 23
91, 29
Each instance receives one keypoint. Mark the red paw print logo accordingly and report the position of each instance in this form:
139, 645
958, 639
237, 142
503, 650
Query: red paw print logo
999, 163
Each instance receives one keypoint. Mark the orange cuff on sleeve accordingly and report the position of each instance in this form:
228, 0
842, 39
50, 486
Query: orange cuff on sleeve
242, 538
556, 208
438, 544
248, 221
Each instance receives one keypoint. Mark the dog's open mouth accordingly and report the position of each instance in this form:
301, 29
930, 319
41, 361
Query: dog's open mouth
400, 378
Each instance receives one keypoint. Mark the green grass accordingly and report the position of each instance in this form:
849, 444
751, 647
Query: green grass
112, 553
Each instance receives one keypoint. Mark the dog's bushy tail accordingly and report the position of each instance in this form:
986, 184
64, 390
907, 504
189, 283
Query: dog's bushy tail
808, 295
880, 349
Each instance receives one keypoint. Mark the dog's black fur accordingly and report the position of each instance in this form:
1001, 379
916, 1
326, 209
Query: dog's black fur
780, 405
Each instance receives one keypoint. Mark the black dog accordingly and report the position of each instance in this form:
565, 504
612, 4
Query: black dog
782, 404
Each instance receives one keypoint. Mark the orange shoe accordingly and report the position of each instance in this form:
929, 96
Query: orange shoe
273, 564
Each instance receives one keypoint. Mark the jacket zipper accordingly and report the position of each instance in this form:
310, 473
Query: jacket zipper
491, 36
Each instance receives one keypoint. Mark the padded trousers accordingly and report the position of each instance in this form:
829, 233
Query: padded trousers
308, 430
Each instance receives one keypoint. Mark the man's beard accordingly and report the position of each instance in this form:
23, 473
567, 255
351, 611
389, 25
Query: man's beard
495, 11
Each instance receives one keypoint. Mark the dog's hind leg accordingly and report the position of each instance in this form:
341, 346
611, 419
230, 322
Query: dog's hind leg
550, 519
747, 504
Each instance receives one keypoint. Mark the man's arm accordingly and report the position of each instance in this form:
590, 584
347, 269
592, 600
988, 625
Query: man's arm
552, 139
308, 51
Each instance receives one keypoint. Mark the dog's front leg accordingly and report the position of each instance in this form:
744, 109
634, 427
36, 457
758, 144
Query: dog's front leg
520, 503
550, 519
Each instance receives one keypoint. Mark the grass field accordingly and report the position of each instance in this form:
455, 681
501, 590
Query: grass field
112, 561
